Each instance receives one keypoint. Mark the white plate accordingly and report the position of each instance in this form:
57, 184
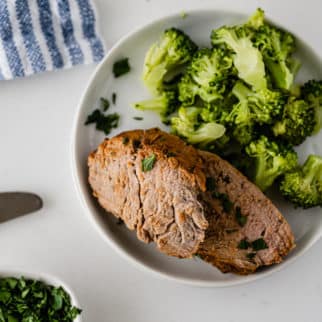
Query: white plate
46, 278
198, 24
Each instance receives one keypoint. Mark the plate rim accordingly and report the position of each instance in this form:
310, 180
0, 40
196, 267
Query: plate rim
75, 169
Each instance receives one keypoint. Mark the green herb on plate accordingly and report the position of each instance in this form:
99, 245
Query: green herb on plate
121, 67
114, 98
104, 123
138, 118
105, 104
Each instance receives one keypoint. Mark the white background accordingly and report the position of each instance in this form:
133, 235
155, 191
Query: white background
36, 115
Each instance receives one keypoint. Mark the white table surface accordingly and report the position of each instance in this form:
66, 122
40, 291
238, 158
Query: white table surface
35, 132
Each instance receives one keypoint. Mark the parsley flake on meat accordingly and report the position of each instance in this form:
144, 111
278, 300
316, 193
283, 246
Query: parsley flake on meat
148, 163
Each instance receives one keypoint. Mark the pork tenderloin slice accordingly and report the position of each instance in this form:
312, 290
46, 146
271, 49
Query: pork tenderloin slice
162, 204
238, 214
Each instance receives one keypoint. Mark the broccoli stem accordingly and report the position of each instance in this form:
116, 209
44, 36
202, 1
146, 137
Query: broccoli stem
312, 169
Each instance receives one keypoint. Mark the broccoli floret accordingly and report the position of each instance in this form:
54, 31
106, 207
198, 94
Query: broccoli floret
277, 47
303, 185
244, 133
217, 111
165, 57
297, 123
256, 20
165, 104
253, 108
247, 59
188, 125
272, 159
208, 76
263, 105
311, 92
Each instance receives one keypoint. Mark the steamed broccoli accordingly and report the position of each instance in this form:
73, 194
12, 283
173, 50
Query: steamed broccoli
297, 122
256, 20
169, 54
243, 133
217, 112
188, 125
312, 93
263, 105
165, 103
208, 76
272, 159
253, 108
247, 59
303, 185
277, 47
239, 99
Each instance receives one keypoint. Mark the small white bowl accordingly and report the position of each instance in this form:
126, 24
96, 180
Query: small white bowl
43, 277
198, 24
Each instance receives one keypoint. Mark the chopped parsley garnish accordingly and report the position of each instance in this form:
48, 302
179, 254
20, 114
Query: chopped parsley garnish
32, 300
114, 98
250, 255
125, 140
243, 244
259, 244
93, 117
105, 103
241, 219
148, 163
210, 184
138, 118
226, 203
121, 67
103, 122
226, 179
256, 245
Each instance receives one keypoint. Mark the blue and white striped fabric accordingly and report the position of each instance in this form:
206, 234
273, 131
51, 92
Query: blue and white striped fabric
44, 35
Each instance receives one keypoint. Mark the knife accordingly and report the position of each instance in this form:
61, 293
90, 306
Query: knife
16, 204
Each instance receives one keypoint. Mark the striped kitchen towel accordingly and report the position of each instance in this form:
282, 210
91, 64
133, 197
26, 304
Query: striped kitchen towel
44, 35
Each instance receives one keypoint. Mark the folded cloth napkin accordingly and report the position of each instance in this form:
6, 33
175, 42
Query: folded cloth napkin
44, 35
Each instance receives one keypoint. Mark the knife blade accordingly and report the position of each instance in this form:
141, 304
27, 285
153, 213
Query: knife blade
16, 204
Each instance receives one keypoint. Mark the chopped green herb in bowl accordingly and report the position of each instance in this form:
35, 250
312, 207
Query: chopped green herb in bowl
25, 299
